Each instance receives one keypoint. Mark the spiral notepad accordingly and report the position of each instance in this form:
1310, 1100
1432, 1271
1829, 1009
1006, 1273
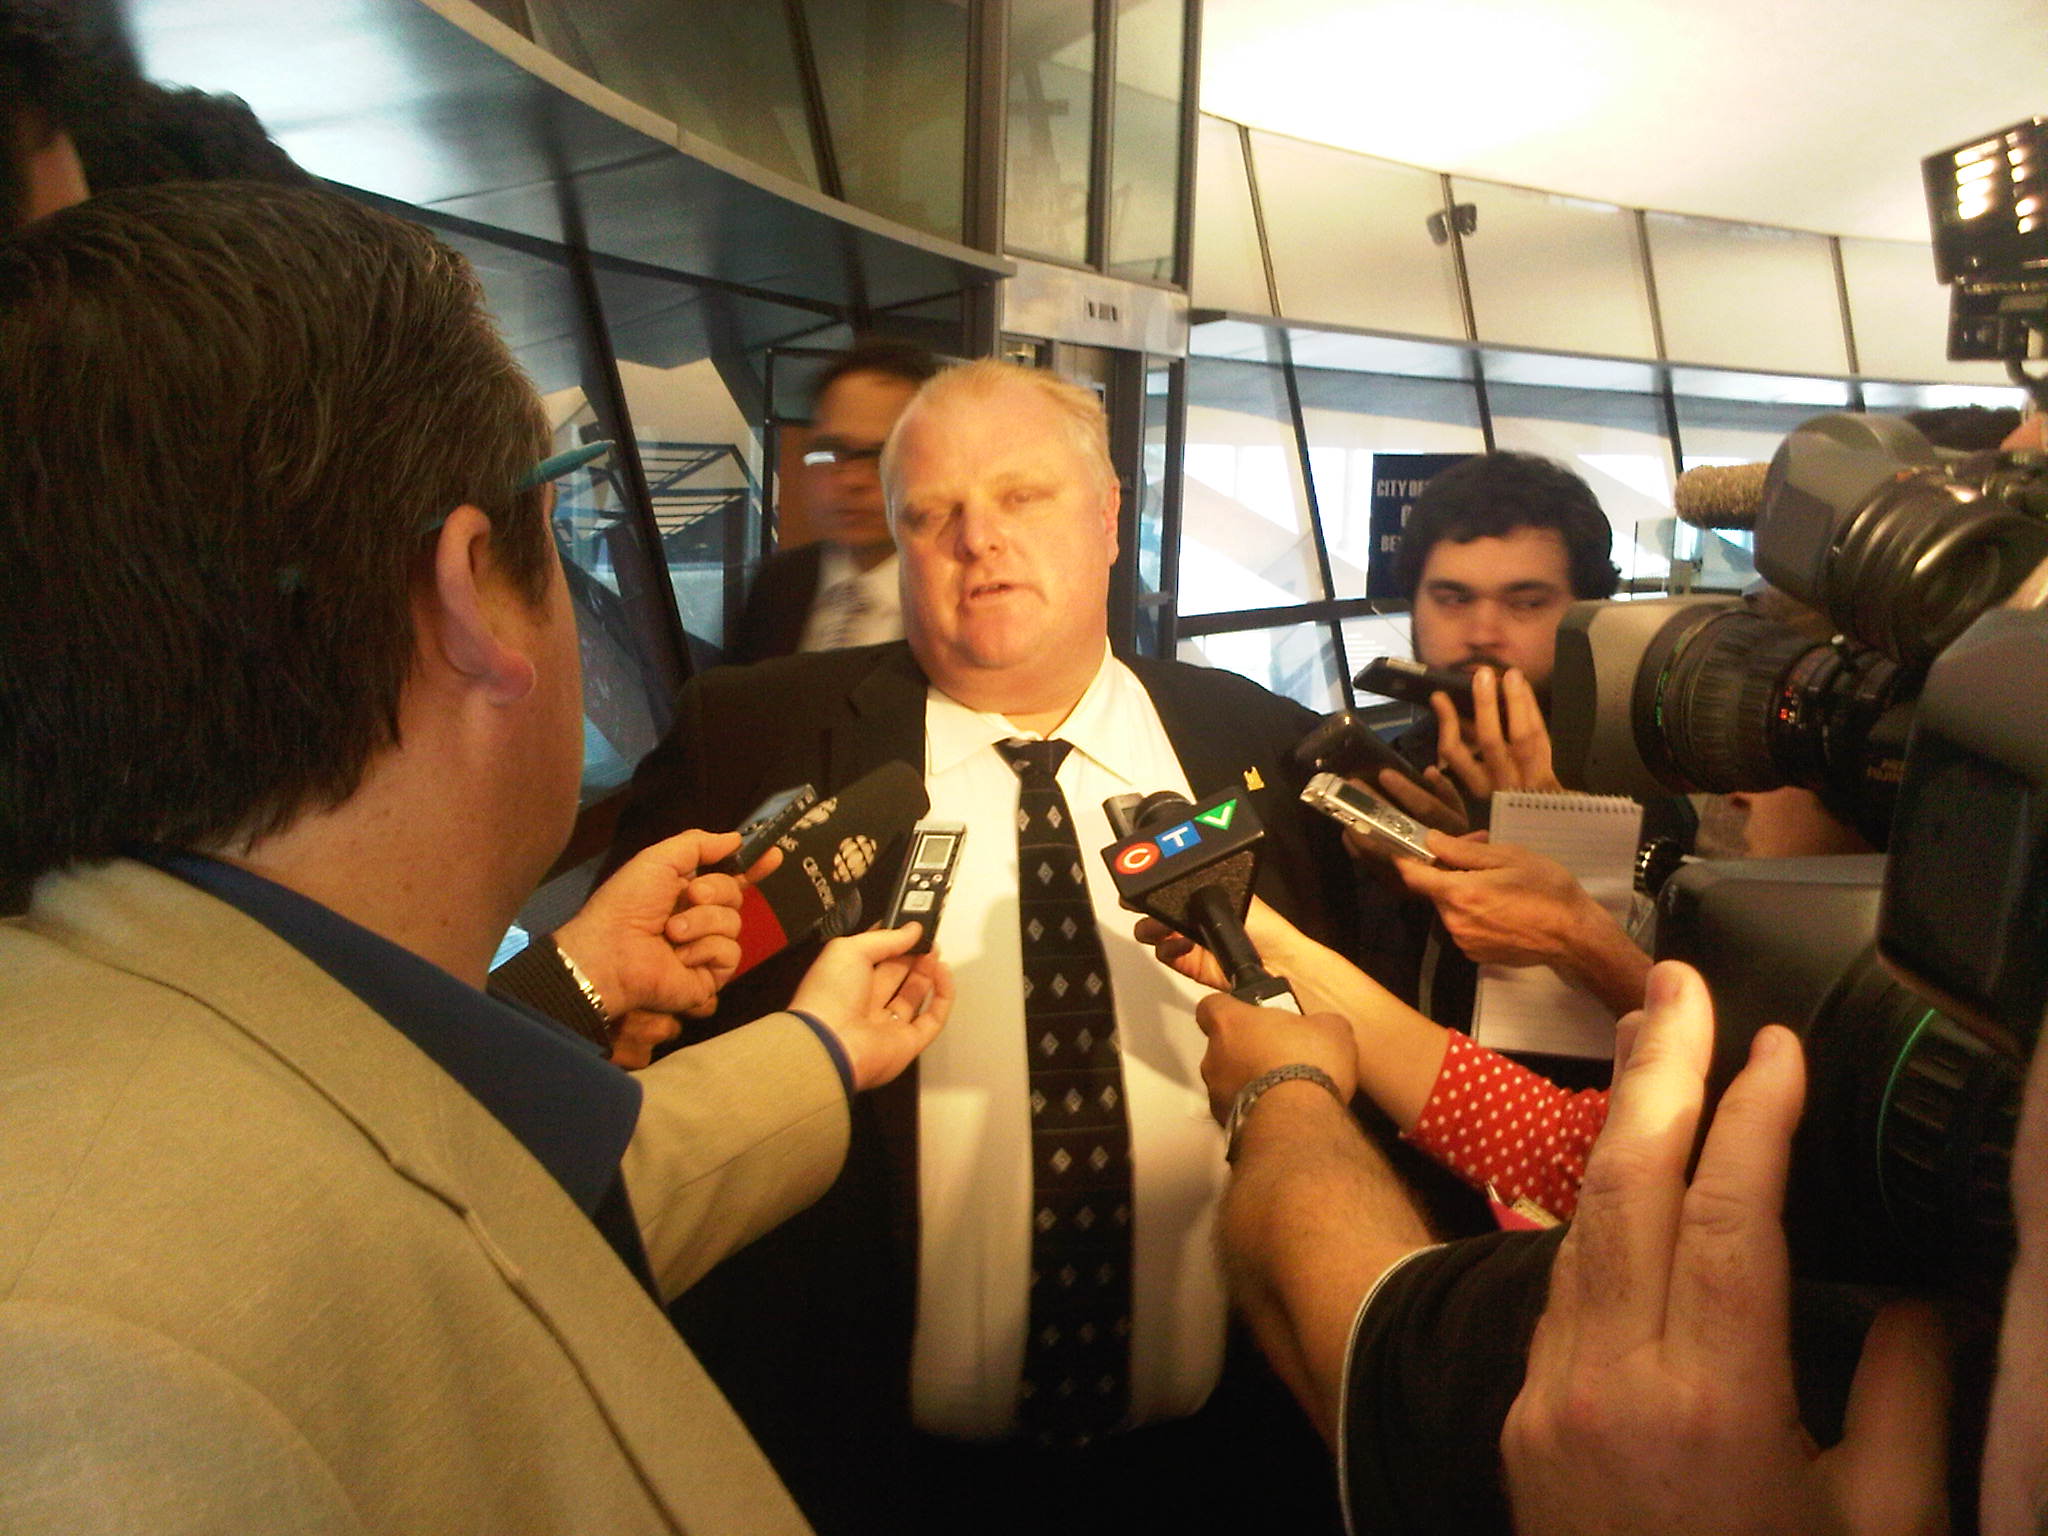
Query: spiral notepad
1531, 1008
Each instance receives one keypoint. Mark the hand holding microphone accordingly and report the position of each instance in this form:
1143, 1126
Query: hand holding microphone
827, 852
1191, 866
658, 939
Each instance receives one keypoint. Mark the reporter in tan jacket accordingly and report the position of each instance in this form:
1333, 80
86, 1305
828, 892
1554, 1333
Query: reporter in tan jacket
300, 1230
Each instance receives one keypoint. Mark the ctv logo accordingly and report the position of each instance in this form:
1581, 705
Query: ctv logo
1135, 857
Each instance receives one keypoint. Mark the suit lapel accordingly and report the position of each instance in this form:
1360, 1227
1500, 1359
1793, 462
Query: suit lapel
433, 1134
883, 720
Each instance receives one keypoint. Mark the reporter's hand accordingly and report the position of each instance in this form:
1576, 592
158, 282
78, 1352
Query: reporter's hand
1246, 1041
1510, 744
1278, 942
1435, 802
658, 939
1502, 904
1659, 1395
882, 1005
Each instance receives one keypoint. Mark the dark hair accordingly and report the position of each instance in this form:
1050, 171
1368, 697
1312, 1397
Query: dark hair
1490, 495
234, 415
904, 360
149, 133
1965, 428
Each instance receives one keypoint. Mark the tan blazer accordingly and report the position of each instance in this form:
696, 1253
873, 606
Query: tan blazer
264, 1267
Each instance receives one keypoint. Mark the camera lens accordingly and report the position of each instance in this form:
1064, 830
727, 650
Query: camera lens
1922, 559
1718, 698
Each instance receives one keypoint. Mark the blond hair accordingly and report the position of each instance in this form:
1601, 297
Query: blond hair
1083, 421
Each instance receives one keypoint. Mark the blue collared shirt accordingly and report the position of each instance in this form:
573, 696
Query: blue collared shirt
568, 1106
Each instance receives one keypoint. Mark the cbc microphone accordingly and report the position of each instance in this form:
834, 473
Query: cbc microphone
826, 853
1192, 866
1720, 495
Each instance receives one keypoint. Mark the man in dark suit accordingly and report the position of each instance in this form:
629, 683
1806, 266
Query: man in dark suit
840, 589
890, 1326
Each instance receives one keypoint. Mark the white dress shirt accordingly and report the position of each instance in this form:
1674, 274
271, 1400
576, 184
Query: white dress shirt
974, 1122
853, 606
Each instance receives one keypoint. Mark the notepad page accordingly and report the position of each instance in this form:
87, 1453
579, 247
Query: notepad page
1531, 1008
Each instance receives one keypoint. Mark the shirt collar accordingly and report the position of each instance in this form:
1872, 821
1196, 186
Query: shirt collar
555, 1093
1100, 725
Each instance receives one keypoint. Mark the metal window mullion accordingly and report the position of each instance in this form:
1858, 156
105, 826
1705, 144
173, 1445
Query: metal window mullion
1170, 509
1100, 130
816, 119
1251, 181
1190, 130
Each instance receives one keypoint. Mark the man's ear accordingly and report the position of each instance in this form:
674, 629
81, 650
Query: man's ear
1112, 509
471, 611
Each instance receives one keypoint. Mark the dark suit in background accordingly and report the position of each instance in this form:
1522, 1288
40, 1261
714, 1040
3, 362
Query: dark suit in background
778, 605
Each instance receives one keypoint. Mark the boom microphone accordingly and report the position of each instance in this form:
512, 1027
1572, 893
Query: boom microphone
1720, 495
826, 853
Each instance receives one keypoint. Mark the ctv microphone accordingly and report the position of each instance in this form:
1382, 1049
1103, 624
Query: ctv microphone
1192, 866
1720, 495
826, 852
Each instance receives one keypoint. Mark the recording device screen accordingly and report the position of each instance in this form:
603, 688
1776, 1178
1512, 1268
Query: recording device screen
1386, 830
920, 894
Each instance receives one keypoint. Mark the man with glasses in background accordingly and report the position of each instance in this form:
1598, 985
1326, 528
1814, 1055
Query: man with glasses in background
839, 590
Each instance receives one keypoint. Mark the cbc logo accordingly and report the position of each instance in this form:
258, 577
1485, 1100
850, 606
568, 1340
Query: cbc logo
854, 857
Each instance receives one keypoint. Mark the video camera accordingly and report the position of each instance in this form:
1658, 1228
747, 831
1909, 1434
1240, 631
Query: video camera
1911, 699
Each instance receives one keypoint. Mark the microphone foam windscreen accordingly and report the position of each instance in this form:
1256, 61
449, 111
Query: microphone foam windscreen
826, 853
1720, 495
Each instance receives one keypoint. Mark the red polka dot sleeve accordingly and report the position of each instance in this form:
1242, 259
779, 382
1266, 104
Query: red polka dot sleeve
1492, 1122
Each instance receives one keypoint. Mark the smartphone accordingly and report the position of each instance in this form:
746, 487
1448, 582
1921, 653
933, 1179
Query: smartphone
1396, 677
920, 893
1345, 745
1388, 831
765, 823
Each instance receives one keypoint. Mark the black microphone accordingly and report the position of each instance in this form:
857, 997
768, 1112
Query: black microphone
826, 853
1192, 867
1720, 495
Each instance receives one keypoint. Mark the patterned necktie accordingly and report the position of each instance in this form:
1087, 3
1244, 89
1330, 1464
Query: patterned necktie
1077, 1359
841, 607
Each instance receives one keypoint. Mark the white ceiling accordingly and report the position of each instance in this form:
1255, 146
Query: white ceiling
1813, 114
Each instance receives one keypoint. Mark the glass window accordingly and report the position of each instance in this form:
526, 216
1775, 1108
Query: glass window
1245, 539
894, 75
1228, 272
724, 72
1144, 157
1743, 296
1298, 661
1616, 442
1558, 272
1051, 122
1350, 239
696, 393
1900, 314
1354, 419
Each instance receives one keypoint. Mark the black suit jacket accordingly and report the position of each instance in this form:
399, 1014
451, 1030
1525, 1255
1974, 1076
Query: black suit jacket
809, 1330
778, 605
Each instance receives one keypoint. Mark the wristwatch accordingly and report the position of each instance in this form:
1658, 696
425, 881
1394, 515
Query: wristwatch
1252, 1091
